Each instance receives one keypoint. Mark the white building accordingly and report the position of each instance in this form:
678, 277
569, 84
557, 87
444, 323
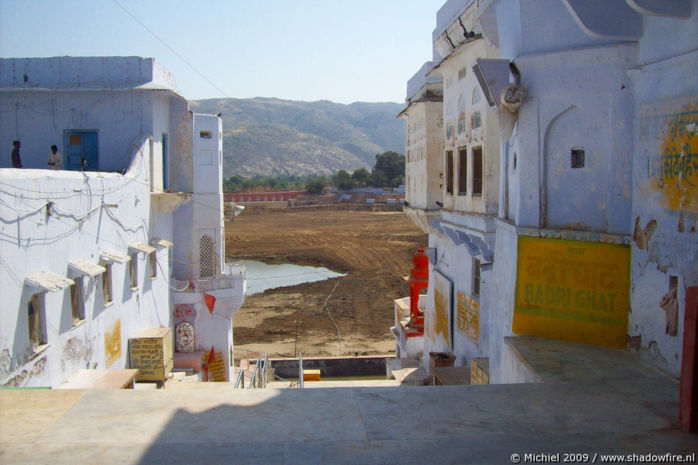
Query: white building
87, 252
596, 105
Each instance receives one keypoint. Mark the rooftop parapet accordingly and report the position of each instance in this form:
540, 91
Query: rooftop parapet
421, 85
84, 73
449, 12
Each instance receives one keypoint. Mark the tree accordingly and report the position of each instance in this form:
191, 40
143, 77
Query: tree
343, 180
389, 170
315, 186
361, 177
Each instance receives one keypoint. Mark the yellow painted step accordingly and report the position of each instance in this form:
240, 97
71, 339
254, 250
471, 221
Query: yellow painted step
311, 375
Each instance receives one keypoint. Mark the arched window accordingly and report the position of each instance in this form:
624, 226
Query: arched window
207, 266
461, 114
477, 120
477, 95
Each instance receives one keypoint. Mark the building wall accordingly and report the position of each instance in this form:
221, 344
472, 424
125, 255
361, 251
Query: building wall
208, 182
577, 100
665, 199
463, 105
424, 160
41, 98
468, 313
612, 86
89, 213
528, 28
84, 73
180, 168
39, 119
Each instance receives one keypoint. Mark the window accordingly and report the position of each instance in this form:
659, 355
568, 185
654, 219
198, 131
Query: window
77, 300
476, 277
37, 325
206, 259
133, 271
577, 158
153, 265
461, 73
477, 170
449, 171
477, 96
461, 115
205, 134
476, 120
106, 284
463, 171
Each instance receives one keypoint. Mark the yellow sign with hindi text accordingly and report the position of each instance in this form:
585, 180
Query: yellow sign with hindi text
572, 290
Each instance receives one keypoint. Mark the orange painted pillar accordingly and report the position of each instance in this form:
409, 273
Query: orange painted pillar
688, 390
419, 279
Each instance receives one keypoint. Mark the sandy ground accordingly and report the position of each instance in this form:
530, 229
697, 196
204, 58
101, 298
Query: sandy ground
373, 248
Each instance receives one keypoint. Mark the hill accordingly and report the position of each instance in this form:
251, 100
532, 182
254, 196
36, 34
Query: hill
270, 136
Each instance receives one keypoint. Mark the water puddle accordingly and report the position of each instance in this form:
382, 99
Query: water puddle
261, 276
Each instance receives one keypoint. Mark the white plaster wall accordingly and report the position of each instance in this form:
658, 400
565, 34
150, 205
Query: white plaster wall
83, 73
208, 184
424, 166
39, 119
81, 226
575, 100
527, 28
500, 294
181, 171
661, 90
456, 263
458, 94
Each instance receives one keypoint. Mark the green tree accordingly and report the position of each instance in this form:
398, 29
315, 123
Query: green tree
361, 177
389, 170
316, 186
343, 180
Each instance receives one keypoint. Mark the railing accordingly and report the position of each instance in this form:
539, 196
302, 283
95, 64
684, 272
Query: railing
255, 372
240, 381
261, 375
300, 370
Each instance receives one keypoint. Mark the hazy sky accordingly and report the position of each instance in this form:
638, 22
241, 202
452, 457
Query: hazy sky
339, 50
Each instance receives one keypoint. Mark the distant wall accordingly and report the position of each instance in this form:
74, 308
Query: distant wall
339, 366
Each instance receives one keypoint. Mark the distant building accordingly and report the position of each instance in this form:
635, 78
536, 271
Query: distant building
129, 235
578, 219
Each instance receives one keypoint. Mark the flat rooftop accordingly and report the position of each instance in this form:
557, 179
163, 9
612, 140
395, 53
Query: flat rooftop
598, 401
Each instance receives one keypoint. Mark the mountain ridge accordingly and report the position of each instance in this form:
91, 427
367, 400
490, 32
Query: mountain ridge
271, 136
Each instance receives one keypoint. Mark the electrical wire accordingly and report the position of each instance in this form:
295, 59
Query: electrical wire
171, 49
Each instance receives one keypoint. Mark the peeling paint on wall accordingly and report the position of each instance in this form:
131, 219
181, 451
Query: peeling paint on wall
5, 363
20, 379
76, 350
670, 305
642, 236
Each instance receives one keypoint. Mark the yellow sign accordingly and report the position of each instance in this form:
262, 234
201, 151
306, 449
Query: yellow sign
673, 167
572, 290
442, 307
214, 366
146, 355
112, 344
468, 316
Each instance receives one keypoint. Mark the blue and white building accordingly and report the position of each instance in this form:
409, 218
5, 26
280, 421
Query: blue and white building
586, 227
129, 229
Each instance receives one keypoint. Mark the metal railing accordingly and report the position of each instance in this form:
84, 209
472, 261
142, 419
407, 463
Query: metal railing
300, 370
240, 381
261, 375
